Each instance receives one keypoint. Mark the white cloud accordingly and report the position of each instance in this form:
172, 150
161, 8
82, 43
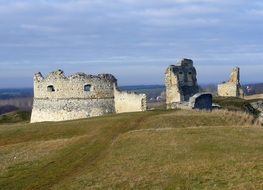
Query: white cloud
116, 34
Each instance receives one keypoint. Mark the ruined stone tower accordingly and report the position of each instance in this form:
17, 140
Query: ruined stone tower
232, 87
59, 98
180, 82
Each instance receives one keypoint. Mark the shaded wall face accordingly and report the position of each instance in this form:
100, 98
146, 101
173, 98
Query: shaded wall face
204, 101
187, 81
189, 91
186, 75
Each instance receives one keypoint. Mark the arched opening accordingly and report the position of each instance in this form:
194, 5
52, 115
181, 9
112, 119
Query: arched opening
50, 88
87, 88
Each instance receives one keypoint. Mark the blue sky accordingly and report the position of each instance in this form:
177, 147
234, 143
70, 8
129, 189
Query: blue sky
133, 39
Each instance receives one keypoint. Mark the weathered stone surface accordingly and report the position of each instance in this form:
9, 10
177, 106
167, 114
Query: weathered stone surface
235, 75
198, 101
258, 106
58, 98
201, 101
180, 105
129, 102
232, 88
69, 109
102, 86
180, 82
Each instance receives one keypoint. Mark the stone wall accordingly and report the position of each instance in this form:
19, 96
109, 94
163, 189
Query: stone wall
228, 90
232, 87
180, 82
173, 93
101, 86
70, 109
129, 102
59, 98
200, 101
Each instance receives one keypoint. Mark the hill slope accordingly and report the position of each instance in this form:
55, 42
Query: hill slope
15, 117
158, 149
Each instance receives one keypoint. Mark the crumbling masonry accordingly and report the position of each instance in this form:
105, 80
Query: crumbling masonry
59, 98
180, 82
231, 88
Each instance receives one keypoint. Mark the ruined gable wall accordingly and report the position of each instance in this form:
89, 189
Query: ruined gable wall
234, 76
232, 88
69, 100
129, 101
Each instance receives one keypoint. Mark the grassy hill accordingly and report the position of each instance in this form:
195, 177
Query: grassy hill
236, 104
151, 150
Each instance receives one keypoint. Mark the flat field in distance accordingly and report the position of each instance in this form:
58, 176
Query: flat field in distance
256, 96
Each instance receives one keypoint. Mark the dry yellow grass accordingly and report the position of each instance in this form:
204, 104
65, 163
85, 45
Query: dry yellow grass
151, 150
29, 151
191, 158
239, 118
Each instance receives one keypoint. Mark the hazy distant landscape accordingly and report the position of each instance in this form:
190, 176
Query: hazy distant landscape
22, 99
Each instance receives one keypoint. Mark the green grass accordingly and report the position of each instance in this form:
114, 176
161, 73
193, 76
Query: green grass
150, 150
15, 117
233, 103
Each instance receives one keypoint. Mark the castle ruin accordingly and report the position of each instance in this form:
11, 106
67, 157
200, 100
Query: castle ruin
59, 98
231, 88
180, 82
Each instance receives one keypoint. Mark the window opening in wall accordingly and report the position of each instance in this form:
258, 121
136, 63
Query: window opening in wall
87, 88
189, 73
180, 72
50, 88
